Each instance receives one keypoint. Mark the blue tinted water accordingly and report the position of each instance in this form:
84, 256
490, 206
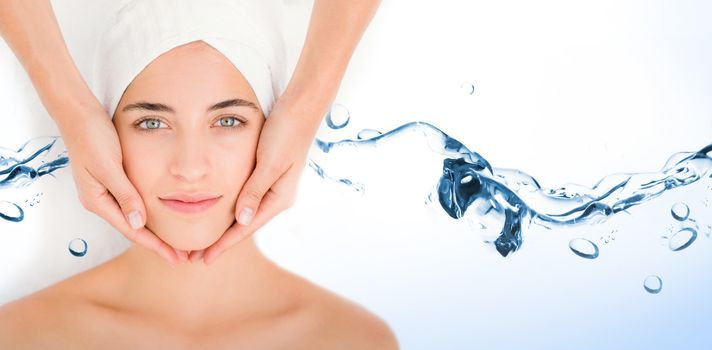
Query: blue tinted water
503, 202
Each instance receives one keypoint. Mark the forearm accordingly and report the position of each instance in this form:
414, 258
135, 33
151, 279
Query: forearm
32, 33
335, 28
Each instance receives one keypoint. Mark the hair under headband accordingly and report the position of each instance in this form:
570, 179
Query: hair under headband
248, 32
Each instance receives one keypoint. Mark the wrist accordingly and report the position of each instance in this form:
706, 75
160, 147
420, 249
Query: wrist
312, 102
64, 96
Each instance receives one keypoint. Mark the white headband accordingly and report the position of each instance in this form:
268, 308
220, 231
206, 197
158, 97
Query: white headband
248, 32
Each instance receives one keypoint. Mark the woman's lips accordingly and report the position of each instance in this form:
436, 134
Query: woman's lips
193, 207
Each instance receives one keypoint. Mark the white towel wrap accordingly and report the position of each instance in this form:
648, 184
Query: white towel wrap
248, 32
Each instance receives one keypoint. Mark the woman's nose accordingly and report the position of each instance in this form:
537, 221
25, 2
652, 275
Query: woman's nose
191, 159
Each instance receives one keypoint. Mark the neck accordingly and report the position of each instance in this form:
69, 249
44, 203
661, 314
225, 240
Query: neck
240, 283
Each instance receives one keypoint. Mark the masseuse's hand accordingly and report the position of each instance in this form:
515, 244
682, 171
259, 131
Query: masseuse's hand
335, 29
102, 185
281, 155
31, 30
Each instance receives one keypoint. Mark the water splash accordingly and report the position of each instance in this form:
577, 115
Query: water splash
463, 183
509, 198
610, 237
11, 211
367, 134
22, 167
35, 199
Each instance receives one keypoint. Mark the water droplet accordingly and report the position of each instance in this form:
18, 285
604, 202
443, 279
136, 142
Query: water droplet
467, 88
653, 284
368, 134
78, 247
680, 211
338, 116
663, 240
584, 248
682, 239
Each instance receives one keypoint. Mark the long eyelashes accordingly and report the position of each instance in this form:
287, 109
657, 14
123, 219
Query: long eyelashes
239, 123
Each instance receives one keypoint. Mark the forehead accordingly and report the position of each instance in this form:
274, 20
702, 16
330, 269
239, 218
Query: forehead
190, 72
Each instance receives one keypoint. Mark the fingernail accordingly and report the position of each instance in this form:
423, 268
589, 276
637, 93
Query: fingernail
245, 216
135, 220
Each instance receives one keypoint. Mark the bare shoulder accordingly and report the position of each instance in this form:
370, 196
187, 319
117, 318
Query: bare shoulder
20, 319
344, 324
38, 319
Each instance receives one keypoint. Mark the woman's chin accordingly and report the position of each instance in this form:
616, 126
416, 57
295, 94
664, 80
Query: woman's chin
190, 243
189, 238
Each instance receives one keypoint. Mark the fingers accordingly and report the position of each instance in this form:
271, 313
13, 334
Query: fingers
250, 197
268, 209
182, 254
108, 208
196, 255
103, 186
126, 195
278, 198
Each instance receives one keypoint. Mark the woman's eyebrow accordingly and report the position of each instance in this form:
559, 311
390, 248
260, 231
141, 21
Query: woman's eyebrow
159, 107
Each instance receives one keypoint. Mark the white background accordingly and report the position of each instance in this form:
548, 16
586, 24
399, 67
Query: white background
567, 91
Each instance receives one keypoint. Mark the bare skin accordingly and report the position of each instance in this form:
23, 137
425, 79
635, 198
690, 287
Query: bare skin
270, 309
241, 300
32, 32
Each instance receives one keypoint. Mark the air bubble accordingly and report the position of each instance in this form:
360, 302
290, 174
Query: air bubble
682, 239
467, 88
78, 247
653, 284
584, 248
338, 116
366, 134
680, 211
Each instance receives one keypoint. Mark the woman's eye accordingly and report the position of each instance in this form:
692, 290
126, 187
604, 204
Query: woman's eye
228, 121
150, 123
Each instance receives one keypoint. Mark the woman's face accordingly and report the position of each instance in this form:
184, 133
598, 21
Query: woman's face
200, 147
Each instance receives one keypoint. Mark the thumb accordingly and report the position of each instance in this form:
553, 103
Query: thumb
252, 192
127, 197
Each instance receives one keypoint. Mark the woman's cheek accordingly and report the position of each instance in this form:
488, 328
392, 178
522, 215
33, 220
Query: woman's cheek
140, 157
